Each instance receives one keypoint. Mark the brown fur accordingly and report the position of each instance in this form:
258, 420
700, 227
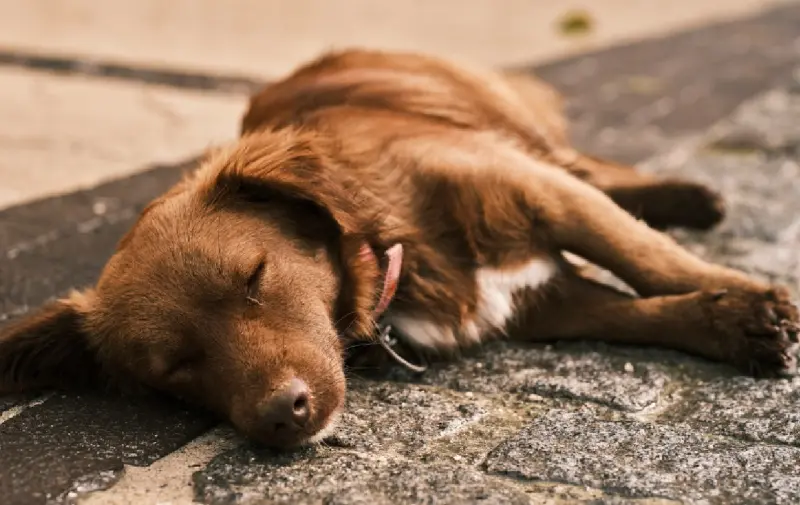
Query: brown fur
248, 272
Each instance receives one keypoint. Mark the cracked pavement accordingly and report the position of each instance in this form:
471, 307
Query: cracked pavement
561, 423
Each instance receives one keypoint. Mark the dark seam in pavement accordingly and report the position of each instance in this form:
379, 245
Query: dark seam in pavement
609, 491
65, 65
185, 79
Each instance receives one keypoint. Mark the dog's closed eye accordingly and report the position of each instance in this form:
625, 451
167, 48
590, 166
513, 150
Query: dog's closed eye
254, 283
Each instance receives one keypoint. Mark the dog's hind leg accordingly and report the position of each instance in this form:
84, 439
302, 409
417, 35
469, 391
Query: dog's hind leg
738, 327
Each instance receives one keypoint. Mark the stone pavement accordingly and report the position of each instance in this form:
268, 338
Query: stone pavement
559, 423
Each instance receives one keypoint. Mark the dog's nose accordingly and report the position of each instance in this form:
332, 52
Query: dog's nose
288, 409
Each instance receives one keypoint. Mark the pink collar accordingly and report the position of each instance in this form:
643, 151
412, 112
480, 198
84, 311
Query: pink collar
394, 264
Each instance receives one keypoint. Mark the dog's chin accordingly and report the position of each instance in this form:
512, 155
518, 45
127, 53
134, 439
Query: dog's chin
327, 430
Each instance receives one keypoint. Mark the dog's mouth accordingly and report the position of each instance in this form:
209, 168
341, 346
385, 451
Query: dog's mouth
287, 440
327, 430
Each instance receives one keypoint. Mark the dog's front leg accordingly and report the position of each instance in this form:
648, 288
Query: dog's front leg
740, 327
570, 215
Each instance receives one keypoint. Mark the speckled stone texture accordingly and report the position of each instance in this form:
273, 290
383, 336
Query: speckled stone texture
580, 423
648, 459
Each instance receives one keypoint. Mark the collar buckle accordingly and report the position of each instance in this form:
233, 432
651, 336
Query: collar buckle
388, 343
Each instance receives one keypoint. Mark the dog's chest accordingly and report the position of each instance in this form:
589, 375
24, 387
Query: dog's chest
496, 305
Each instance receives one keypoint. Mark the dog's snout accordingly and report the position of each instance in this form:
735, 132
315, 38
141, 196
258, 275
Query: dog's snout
288, 409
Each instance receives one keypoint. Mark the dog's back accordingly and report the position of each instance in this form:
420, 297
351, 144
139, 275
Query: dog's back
417, 86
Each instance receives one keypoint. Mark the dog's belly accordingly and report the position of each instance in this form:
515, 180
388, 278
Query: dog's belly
496, 306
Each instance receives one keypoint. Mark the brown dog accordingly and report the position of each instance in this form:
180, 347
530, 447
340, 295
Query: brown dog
239, 287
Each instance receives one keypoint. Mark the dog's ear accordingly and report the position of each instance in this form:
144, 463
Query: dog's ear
293, 164
48, 348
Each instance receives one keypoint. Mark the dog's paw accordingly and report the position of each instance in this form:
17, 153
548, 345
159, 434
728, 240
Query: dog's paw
674, 203
756, 330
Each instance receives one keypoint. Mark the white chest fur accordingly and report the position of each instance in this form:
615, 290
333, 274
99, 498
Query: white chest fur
496, 290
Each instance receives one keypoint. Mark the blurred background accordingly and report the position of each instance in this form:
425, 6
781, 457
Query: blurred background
64, 132
269, 37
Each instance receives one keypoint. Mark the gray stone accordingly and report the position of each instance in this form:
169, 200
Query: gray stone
762, 227
759, 410
765, 124
627, 379
638, 459
382, 415
6, 402
334, 476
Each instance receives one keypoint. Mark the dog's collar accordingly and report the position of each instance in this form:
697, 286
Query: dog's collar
391, 266
391, 278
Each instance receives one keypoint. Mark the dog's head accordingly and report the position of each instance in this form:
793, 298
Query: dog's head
231, 291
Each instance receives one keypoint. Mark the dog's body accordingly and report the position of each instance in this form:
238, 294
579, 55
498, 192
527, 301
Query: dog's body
238, 287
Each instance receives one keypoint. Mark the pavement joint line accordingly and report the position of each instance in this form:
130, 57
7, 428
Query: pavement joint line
179, 465
73, 65
18, 409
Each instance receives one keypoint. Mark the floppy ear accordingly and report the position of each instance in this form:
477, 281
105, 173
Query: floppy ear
294, 164
48, 348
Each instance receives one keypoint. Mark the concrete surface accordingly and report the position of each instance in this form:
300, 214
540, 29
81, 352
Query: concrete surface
60, 134
514, 424
267, 38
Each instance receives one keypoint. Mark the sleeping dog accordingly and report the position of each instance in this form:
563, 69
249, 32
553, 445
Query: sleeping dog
372, 191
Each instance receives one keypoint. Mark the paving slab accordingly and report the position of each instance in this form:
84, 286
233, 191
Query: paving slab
741, 407
638, 459
630, 380
68, 446
169, 479
63, 133
336, 477
629, 102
